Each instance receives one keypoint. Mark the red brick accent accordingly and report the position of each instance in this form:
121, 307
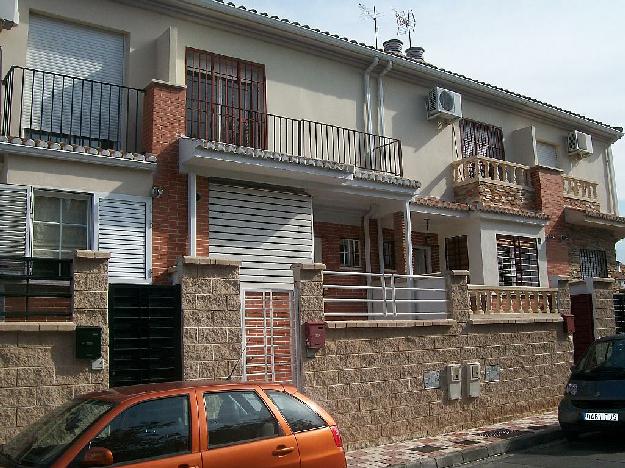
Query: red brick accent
163, 123
201, 217
399, 228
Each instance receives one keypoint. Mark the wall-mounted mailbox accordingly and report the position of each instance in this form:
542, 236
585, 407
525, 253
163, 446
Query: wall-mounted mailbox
569, 323
88, 343
454, 382
473, 379
315, 334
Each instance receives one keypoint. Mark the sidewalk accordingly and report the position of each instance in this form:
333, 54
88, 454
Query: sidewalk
459, 447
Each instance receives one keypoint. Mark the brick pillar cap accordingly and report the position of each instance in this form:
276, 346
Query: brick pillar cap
458, 272
538, 167
308, 266
91, 254
562, 278
603, 280
164, 84
187, 260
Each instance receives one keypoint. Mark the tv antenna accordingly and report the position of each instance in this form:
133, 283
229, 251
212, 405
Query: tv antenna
406, 23
373, 14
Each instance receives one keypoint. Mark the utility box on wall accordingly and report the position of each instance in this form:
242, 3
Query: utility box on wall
454, 382
88, 343
473, 379
315, 334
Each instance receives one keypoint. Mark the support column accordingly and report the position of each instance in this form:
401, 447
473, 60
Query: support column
458, 306
603, 307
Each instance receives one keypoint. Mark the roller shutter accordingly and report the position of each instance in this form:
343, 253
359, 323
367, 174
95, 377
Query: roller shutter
266, 230
13, 220
123, 229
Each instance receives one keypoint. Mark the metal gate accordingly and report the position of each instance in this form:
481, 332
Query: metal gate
619, 312
145, 334
268, 338
581, 308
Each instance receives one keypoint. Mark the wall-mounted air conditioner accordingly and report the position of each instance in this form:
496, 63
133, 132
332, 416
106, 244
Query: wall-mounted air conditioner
444, 104
580, 144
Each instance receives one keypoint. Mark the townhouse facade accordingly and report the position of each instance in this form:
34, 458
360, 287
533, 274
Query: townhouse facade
196, 190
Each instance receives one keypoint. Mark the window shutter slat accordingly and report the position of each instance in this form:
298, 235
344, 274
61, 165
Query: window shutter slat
13, 220
129, 246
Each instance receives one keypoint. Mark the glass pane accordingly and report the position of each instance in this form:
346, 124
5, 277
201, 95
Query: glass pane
151, 429
46, 236
46, 209
74, 237
297, 413
74, 211
235, 417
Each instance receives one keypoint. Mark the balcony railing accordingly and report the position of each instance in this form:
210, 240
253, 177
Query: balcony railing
295, 137
35, 289
512, 300
478, 168
580, 189
52, 107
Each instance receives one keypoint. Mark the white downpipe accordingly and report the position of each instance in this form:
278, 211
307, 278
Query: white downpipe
192, 196
367, 78
366, 223
612, 193
408, 233
388, 67
380, 244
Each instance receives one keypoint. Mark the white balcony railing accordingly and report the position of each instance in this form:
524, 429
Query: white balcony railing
580, 189
512, 300
377, 296
478, 168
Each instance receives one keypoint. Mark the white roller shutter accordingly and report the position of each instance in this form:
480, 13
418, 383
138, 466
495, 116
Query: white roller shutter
266, 230
123, 228
13, 220
547, 154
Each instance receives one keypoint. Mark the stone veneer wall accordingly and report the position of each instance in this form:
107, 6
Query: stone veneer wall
211, 317
603, 307
38, 370
370, 374
495, 194
579, 204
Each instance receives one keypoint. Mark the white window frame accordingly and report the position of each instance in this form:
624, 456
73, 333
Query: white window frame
353, 250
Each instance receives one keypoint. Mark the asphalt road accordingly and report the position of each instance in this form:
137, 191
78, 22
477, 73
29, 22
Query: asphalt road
592, 450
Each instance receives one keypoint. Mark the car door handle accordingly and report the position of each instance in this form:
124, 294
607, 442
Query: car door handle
282, 450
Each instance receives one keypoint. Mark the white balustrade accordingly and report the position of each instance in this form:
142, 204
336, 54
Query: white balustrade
474, 169
486, 300
580, 189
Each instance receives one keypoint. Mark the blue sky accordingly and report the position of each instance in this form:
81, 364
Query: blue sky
566, 52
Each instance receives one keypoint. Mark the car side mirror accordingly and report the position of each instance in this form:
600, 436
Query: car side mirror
97, 456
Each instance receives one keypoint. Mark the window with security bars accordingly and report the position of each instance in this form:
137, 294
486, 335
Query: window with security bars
388, 249
481, 139
226, 99
517, 258
593, 263
456, 253
350, 252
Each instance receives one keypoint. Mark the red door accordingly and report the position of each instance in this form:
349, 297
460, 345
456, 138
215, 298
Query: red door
581, 307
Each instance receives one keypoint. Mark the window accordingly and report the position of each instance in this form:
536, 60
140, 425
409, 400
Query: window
60, 224
456, 253
350, 253
225, 99
517, 258
480, 139
388, 251
547, 154
236, 417
593, 263
422, 261
151, 429
297, 413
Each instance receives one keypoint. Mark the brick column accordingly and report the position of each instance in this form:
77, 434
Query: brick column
399, 239
603, 307
163, 124
548, 184
458, 306
211, 317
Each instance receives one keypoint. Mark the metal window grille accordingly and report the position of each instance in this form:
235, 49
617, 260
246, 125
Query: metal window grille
517, 258
350, 252
593, 263
456, 253
388, 250
619, 312
480, 139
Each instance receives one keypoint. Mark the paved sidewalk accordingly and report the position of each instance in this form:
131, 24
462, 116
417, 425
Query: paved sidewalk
459, 447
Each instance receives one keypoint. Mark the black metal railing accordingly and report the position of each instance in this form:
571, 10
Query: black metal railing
35, 289
65, 109
297, 137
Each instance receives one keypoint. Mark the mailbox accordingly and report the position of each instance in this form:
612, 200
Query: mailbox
88, 343
315, 334
569, 323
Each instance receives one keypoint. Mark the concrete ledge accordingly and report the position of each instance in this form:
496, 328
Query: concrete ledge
37, 326
459, 272
92, 254
186, 260
390, 323
308, 266
491, 319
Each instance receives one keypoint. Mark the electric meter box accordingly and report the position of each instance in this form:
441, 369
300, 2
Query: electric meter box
454, 381
473, 379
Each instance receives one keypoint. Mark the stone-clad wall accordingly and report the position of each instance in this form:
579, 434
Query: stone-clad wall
603, 307
370, 375
211, 317
38, 370
495, 194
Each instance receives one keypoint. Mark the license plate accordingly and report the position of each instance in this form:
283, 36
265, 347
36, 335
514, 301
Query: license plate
601, 417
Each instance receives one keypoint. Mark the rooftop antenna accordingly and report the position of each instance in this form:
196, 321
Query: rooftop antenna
406, 23
373, 15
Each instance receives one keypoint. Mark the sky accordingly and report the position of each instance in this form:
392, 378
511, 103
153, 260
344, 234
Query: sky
569, 53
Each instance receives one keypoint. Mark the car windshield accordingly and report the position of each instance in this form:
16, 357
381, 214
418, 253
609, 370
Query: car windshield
603, 357
43, 441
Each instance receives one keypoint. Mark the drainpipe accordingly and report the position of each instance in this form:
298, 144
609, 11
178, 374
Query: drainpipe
367, 78
388, 67
192, 197
366, 220
612, 193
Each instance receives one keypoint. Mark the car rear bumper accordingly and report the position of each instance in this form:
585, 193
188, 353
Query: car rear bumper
573, 418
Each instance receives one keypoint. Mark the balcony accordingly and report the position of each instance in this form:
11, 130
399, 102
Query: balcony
65, 110
580, 194
300, 138
492, 182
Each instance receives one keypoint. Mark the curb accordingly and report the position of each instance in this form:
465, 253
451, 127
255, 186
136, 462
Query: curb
472, 454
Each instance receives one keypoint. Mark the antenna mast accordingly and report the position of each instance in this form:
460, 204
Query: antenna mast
373, 15
406, 23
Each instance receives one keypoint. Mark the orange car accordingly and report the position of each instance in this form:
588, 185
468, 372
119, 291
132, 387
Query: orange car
183, 425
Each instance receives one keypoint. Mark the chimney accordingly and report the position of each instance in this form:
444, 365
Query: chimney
393, 46
415, 53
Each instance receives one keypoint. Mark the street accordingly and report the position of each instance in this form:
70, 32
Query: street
589, 451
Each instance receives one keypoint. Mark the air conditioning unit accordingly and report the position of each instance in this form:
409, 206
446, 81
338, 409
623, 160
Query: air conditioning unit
444, 104
580, 144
